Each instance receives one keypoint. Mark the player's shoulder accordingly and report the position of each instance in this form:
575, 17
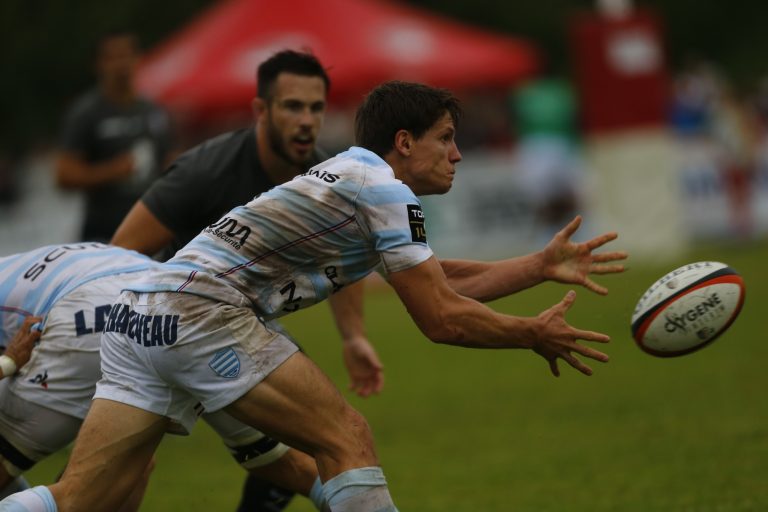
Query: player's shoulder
360, 162
217, 155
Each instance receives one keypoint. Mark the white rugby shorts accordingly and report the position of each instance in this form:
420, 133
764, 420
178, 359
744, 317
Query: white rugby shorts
64, 367
167, 352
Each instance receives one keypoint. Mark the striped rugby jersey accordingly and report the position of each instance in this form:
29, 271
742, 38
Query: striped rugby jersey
296, 244
32, 282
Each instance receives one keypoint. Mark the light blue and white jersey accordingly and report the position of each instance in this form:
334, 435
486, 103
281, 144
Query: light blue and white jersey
300, 242
32, 282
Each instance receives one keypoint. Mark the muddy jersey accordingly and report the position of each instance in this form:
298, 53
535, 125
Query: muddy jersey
32, 282
302, 241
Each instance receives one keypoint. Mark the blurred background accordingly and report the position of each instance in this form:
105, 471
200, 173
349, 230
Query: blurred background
647, 117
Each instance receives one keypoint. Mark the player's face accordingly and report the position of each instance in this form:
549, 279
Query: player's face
118, 58
433, 159
294, 116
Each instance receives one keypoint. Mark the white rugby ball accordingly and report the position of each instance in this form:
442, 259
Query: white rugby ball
687, 309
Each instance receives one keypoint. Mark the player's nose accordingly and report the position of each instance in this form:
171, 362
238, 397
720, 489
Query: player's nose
454, 155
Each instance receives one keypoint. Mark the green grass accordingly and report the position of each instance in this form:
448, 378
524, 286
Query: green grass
477, 431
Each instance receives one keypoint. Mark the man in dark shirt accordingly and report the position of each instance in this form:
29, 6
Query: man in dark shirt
114, 142
229, 170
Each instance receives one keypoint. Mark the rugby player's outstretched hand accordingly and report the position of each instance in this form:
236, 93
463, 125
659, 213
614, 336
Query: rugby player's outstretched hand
558, 340
572, 263
20, 347
366, 373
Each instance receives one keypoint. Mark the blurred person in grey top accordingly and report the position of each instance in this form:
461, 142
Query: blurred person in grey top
114, 142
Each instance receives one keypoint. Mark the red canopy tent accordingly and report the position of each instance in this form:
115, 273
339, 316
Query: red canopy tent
208, 68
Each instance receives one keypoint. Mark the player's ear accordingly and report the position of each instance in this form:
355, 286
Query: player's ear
258, 106
403, 142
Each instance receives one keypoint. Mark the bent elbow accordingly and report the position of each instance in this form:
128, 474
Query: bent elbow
445, 331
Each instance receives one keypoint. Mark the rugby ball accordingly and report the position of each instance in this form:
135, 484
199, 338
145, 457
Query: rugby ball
687, 309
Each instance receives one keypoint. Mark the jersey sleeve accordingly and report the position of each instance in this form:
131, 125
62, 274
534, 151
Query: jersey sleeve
177, 197
393, 217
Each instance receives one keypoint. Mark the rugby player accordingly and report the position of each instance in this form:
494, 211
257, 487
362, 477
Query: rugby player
301, 242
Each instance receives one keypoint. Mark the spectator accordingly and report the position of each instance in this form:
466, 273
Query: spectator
114, 142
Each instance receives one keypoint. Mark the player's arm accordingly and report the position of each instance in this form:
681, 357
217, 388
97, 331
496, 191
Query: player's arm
446, 317
72, 171
19, 350
363, 365
142, 231
562, 260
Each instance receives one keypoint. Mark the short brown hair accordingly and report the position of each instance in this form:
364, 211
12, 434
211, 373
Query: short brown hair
394, 106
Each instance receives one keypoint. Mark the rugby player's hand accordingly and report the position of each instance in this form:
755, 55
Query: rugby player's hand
366, 373
568, 262
20, 347
558, 340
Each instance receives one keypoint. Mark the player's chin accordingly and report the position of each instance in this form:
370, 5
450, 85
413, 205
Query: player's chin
300, 158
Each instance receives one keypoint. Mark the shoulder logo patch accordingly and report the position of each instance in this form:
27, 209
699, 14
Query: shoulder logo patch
416, 222
225, 363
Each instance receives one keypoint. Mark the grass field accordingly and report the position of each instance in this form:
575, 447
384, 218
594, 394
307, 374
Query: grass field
461, 430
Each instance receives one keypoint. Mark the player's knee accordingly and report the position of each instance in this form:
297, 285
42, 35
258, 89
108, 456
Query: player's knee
354, 433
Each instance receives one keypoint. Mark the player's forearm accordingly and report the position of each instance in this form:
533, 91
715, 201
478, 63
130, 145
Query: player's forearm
141, 231
486, 281
72, 172
347, 308
468, 323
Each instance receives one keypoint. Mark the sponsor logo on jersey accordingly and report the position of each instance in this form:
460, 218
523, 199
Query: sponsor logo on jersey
39, 267
225, 363
416, 221
229, 230
322, 175
147, 330
332, 274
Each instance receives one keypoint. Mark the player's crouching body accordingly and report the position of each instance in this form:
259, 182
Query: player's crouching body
46, 392
306, 239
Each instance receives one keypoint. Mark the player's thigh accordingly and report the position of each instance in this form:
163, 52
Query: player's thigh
299, 405
112, 452
29, 433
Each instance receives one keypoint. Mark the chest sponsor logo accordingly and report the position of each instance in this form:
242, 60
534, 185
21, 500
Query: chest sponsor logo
416, 222
225, 363
147, 330
115, 127
229, 230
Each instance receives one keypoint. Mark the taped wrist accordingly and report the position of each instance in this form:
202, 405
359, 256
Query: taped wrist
7, 365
